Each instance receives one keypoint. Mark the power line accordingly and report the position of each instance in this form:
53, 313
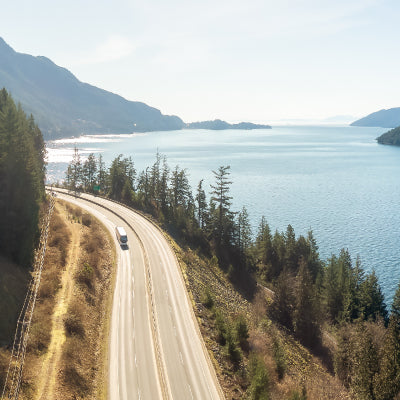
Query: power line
13, 380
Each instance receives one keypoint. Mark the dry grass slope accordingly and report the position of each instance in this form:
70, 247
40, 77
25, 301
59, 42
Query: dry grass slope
68, 343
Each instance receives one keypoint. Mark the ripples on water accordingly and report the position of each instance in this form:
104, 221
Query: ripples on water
335, 180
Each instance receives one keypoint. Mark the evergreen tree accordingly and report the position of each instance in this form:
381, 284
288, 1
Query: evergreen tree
291, 260
282, 306
89, 171
201, 205
244, 231
263, 250
121, 175
313, 261
343, 355
223, 218
395, 311
74, 171
102, 174
306, 312
163, 186
364, 364
372, 302
387, 382
22, 174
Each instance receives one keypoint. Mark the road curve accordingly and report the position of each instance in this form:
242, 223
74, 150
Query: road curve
156, 350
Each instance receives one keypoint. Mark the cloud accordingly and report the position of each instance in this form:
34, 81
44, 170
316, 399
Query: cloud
113, 48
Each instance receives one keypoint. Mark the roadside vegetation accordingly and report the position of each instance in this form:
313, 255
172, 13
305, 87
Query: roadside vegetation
292, 325
22, 194
67, 348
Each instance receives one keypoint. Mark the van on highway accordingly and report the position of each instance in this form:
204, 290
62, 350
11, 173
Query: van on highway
121, 236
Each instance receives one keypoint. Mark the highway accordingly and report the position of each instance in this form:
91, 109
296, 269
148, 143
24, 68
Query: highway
156, 350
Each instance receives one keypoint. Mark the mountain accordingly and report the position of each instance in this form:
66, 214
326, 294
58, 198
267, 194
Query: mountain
384, 118
217, 124
63, 106
391, 137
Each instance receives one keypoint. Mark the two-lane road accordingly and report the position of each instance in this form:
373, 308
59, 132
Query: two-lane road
156, 350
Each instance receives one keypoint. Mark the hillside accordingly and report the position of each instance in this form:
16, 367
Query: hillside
391, 137
64, 106
384, 118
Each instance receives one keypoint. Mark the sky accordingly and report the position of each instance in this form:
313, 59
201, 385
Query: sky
263, 61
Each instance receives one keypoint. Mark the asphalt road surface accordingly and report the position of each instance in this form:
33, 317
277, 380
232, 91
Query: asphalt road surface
156, 350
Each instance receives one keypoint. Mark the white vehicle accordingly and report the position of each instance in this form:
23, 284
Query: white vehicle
121, 236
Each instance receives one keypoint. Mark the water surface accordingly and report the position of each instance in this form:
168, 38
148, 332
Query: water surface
335, 180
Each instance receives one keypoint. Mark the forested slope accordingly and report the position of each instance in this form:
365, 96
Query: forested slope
391, 137
22, 173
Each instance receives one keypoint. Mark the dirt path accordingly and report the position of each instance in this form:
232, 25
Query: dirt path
50, 366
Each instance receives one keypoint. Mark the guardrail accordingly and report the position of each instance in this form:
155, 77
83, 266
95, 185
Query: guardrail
12, 384
154, 324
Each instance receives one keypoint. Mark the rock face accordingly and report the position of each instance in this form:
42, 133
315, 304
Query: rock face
384, 118
391, 137
63, 106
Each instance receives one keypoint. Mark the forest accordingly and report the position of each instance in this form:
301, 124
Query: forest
310, 295
22, 176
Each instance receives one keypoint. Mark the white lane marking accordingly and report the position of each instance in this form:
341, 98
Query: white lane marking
151, 231
190, 390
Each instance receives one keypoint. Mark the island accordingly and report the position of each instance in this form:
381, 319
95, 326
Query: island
391, 137
218, 124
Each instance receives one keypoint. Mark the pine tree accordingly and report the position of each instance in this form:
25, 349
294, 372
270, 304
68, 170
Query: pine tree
372, 302
282, 307
313, 261
244, 231
364, 364
291, 260
306, 312
395, 310
102, 174
201, 205
387, 382
223, 218
22, 174
89, 170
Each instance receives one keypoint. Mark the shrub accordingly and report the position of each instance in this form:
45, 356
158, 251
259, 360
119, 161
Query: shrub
241, 331
233, 351
39, 337
298, 395
73, 325
85, 275
259, 379
221, 327
86, 219
75, 380
279, 357
207, 299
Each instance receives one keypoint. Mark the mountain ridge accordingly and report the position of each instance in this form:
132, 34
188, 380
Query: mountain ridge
385, 118
63, 106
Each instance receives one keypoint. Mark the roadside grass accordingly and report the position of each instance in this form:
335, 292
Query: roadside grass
81, 365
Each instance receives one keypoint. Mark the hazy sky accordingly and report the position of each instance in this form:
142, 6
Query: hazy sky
250, 60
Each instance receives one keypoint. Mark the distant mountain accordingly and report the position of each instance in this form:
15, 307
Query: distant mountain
63, 106
391, 137
384, 118
218, 124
